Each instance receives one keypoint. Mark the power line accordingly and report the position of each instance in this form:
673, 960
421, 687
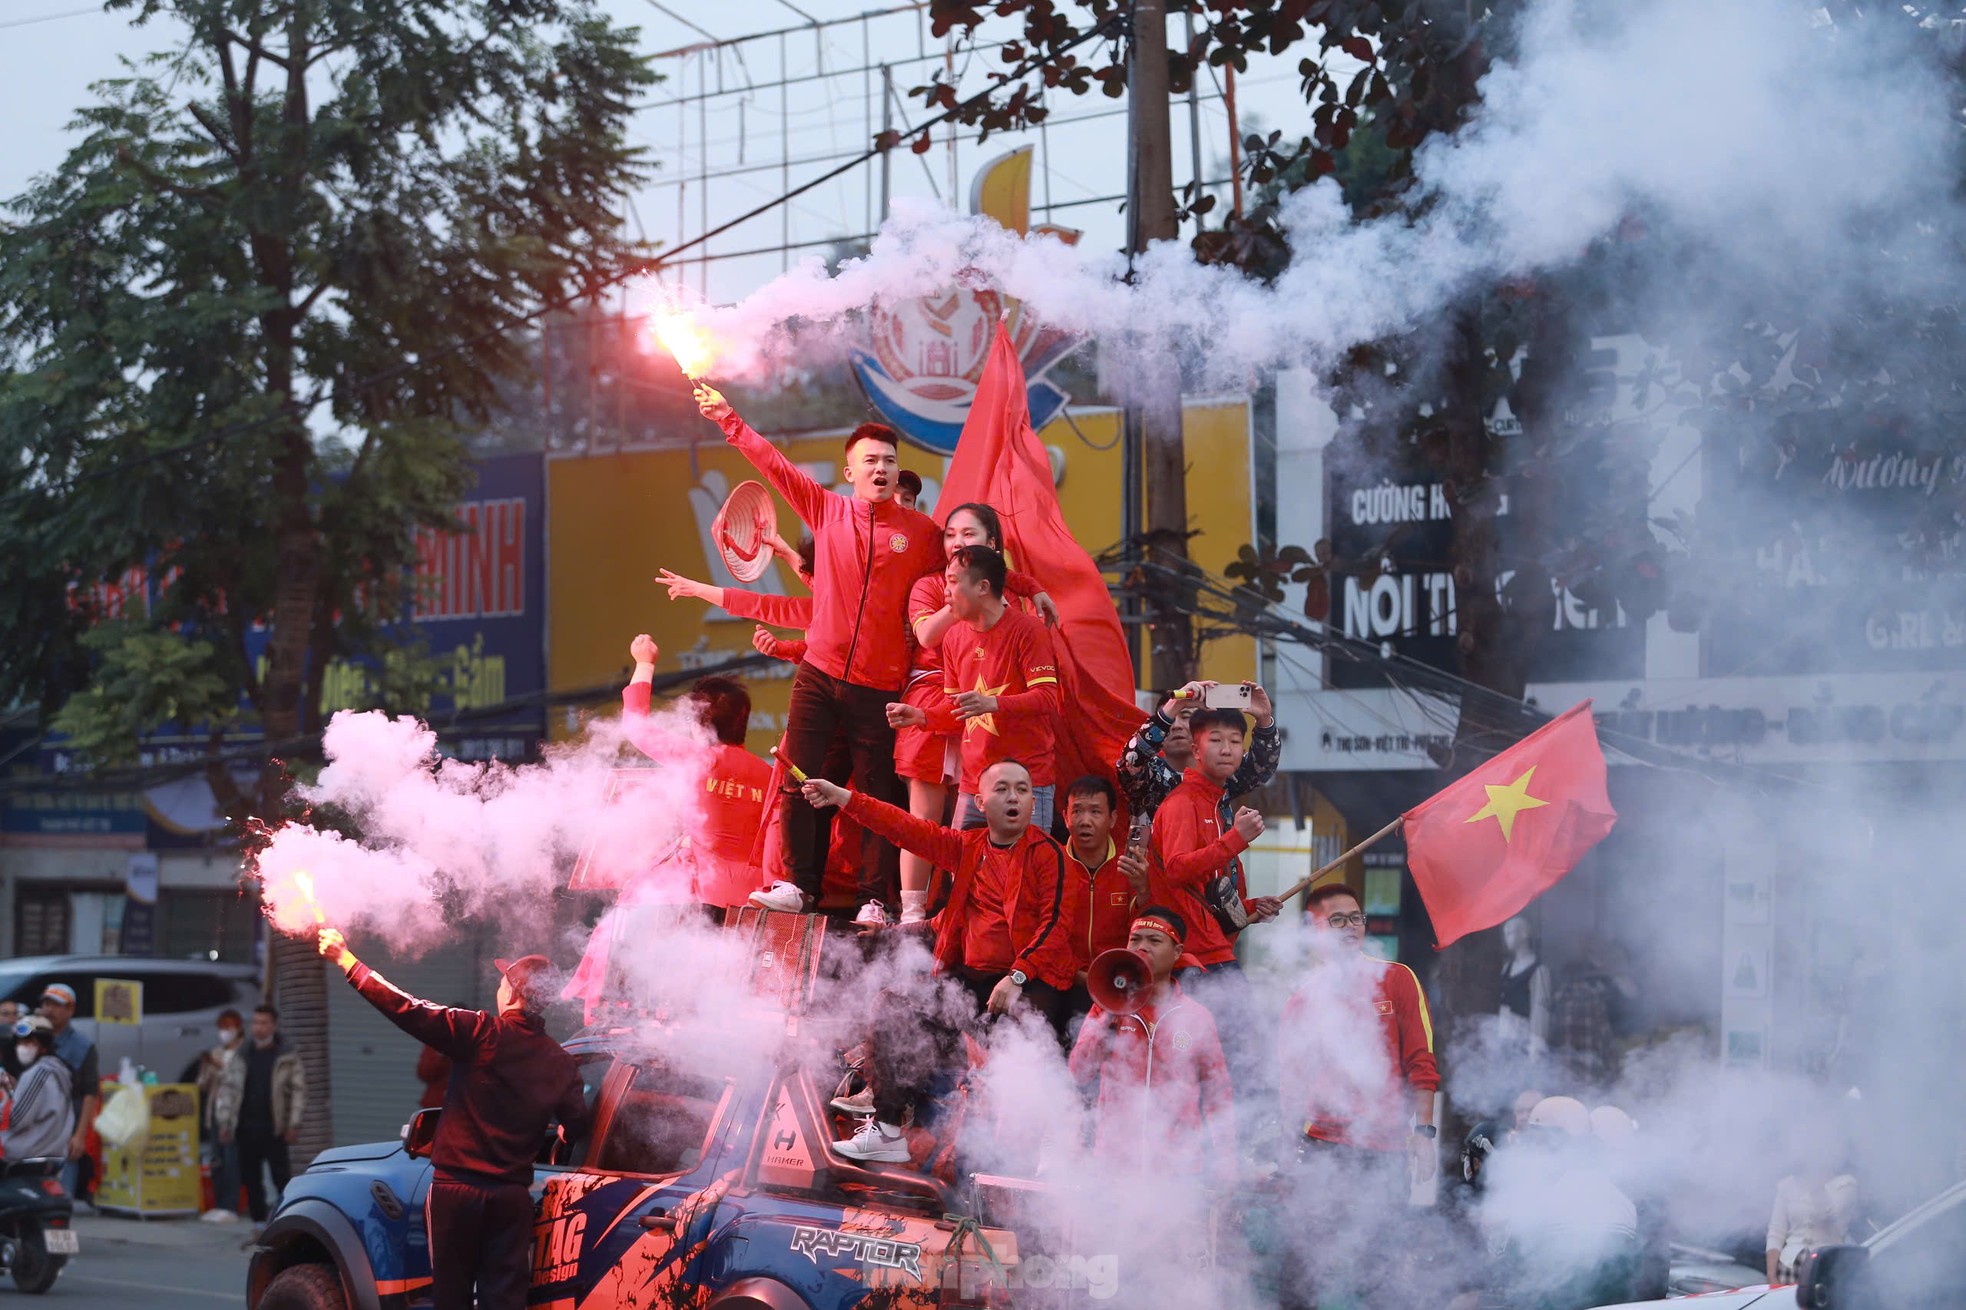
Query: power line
288, 410
49, 18
661, 8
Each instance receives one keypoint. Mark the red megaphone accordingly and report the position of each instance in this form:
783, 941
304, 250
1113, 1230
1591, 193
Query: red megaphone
1118, 980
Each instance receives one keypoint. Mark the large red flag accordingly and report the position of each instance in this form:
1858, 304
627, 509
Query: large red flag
1487, 845
1000, 462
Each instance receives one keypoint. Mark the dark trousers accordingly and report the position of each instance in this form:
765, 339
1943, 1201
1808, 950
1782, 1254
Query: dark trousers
261, 1147
1352, 1252
823, 709
480, 1234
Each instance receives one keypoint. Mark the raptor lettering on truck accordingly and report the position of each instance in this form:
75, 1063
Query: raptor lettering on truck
880, 1252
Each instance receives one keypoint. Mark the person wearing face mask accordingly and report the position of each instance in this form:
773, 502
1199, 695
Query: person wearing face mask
39, 1112
208, 1072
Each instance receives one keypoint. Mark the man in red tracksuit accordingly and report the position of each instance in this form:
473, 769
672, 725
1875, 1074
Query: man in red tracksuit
1160, 1087
1358, 1075
868, 552
999, 683
1104, 885
1196, 839
1001, 933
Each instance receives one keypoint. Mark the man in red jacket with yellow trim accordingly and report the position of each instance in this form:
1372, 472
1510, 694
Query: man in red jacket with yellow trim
867, 553
1356, 1049
1001, 933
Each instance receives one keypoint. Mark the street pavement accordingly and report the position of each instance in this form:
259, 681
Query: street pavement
158, 1264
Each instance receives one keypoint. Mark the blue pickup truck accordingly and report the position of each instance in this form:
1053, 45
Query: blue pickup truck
696, 1186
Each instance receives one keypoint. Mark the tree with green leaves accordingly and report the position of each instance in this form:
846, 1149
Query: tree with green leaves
245, 324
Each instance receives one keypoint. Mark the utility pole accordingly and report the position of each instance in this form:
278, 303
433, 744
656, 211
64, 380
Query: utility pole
1154, 462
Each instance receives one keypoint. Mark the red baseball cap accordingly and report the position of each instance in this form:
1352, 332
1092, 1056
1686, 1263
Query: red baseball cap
524, 974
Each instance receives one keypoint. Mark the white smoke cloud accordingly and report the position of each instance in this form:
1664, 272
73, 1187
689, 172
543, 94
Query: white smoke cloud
1773, 142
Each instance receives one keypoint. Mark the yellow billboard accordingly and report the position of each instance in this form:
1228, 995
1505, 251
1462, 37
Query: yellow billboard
614, 519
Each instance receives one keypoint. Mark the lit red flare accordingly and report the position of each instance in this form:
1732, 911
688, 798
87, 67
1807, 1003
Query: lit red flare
686, 341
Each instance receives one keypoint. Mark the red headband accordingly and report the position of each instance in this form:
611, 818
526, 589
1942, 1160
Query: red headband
1155, 921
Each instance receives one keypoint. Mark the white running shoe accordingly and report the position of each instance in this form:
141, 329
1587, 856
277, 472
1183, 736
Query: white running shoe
861, 1102
782, 896
872, 915
877, 1143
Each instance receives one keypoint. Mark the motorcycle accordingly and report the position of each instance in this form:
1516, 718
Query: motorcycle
36, 1239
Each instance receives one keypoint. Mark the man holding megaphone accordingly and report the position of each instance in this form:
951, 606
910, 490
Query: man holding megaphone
1150, 1058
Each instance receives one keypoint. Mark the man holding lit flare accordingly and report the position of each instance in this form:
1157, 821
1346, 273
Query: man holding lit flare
509, 1079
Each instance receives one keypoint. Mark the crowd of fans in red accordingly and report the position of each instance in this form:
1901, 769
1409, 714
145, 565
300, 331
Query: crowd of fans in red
916, 771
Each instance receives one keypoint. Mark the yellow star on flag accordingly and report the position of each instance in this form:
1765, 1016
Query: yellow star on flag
987, 722
1504, 803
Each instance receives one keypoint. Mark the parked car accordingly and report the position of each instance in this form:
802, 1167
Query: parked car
709, 1187
1916, 1263
181, 1003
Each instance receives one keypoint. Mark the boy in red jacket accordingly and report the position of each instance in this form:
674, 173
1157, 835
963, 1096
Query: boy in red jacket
1000, 933
1198, 838
1162, 1088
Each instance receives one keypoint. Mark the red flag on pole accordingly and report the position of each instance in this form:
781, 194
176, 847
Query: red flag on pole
1000, 462
1487, 845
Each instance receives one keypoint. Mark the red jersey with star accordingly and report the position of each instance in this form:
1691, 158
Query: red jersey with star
1014, 662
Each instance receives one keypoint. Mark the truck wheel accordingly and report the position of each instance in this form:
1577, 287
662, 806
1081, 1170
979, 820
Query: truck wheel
34, 1270
305, 1287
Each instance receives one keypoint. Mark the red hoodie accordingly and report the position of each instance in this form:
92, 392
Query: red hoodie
1163, 1100
865, 561
1006, 901
1192, 842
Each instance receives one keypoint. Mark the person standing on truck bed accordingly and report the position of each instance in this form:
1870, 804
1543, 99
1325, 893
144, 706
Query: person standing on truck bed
509, 1079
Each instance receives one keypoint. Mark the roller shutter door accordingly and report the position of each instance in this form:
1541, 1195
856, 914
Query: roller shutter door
375, 1084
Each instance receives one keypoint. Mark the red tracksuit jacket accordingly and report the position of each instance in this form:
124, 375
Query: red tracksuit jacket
1332, 1095
1098, 905
1163, 1103
1033, 871
866, 560
1193, 841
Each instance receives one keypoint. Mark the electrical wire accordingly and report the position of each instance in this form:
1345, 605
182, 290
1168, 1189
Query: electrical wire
288, 411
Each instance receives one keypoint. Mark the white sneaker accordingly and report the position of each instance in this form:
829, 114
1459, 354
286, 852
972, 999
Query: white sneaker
782, 896
872, 915
877, 1143
861, 1102
219, 1216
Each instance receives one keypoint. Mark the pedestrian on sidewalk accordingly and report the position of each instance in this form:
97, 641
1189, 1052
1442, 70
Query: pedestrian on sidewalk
85, 1084
262, 1100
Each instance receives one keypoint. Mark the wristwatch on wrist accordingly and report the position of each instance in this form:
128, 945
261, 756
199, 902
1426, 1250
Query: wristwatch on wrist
1427, 1131
1018, 977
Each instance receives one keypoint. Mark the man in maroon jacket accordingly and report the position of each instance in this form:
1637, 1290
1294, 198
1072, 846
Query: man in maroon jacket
509, 1079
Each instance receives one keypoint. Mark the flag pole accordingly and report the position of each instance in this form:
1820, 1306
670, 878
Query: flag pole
1315, 874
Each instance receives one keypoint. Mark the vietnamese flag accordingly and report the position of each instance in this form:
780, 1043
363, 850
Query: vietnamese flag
1000, 462
1485, 846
